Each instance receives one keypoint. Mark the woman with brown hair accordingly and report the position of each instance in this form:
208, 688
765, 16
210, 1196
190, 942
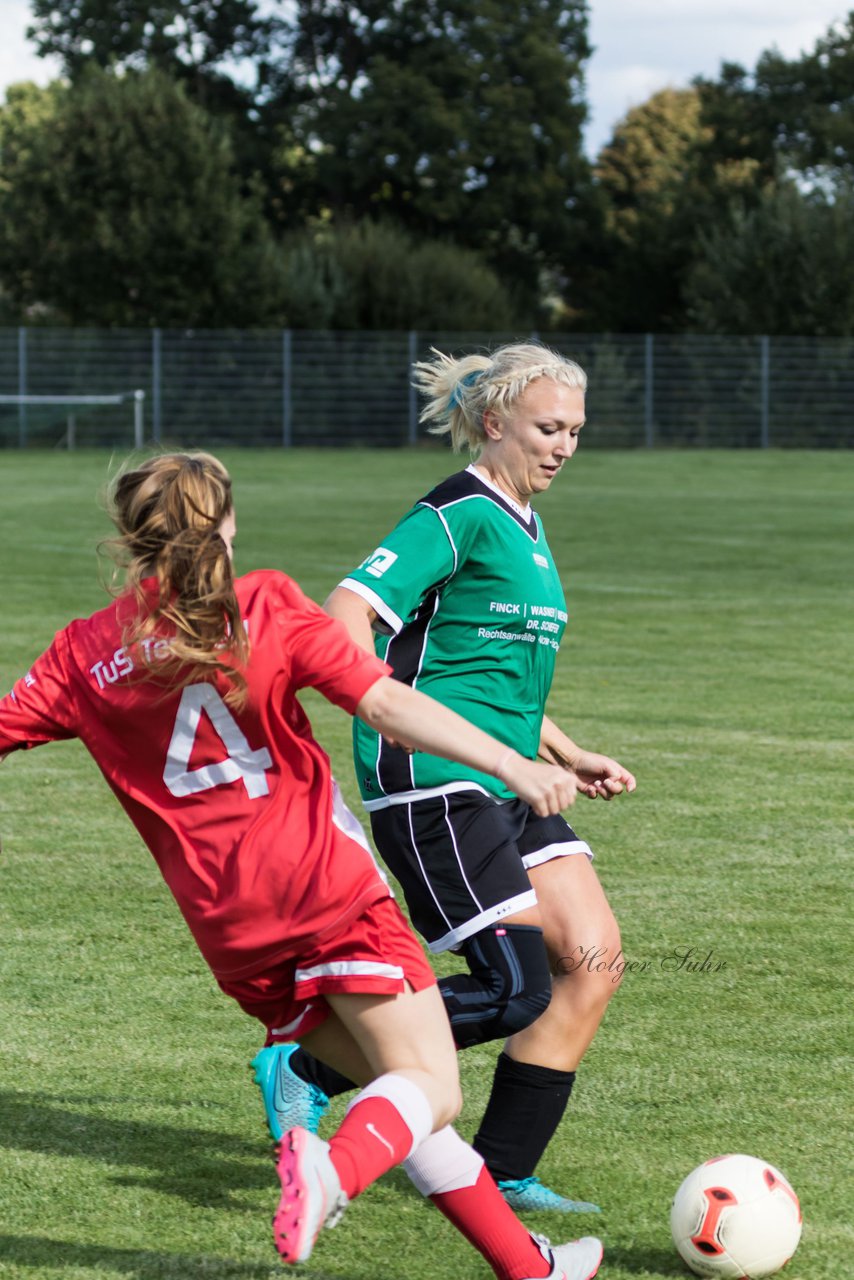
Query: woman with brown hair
184, 691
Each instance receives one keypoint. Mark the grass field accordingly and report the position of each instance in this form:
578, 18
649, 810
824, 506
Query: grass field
711, 619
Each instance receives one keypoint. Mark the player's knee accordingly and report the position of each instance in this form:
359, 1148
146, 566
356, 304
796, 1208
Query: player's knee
596, 975
509, 988
520, 1011
527, 981
453, 1105
613, 948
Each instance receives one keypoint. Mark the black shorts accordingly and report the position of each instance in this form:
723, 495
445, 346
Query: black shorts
462, 859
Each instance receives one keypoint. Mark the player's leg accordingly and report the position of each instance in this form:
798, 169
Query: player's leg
583, 939
459, 867
401, 1103
536, 1072
507, 987
461, 863
408, 1039
456, 859
366, 1000
455, 1178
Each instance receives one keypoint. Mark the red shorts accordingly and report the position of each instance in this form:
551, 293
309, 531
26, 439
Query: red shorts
376, 954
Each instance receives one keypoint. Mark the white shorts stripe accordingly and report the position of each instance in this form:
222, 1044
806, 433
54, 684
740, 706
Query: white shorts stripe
483, 921
559, 850
427, 793
423, 869
343, 968
460, 862
291, 1027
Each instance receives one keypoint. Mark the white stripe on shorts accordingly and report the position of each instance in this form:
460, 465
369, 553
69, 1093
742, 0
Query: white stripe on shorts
292, 1027
560, 850
342, 968
492, 914
427, 793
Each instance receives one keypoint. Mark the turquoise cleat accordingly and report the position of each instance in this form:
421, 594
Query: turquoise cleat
529, 1195
288, 1101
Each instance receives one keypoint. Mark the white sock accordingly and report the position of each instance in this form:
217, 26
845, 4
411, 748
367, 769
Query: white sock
443, 1162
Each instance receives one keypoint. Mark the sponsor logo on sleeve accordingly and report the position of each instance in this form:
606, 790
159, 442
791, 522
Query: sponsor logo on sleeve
377, 564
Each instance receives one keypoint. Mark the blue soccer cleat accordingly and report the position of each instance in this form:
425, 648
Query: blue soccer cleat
288, 1101
529, 1195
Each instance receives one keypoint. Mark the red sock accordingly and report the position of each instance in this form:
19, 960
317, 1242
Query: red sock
372, 1139
483, 1216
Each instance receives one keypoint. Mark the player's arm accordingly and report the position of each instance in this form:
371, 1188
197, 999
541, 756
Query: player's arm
599, 777
386, 589
409, 716
357, 614
40, 706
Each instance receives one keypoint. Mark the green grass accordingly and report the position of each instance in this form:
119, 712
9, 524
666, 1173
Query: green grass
709, 649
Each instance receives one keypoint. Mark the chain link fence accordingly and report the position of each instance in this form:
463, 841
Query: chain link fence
205, 388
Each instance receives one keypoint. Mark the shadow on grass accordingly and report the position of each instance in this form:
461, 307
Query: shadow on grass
40, 1254
203, 1168
645, 1260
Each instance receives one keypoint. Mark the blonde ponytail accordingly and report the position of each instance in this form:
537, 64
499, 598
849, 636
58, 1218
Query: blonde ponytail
458, 392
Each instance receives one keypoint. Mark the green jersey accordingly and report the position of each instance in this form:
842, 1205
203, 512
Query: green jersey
470, 611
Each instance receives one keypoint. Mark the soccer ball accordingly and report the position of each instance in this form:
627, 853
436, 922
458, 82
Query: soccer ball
735, 1218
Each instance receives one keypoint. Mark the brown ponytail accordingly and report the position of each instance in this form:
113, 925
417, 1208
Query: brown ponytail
168, 513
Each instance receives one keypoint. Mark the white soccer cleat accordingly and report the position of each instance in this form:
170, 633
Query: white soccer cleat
577, 1260
311, 1194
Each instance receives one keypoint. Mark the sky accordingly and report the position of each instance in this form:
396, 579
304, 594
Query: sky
639, 45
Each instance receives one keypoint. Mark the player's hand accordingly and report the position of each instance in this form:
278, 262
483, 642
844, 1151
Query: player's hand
401, 746
599, 777
547, 788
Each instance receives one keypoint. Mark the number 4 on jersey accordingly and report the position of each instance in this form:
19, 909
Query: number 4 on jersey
240, 762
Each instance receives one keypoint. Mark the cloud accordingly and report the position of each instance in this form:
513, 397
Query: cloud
733, 14
644, 45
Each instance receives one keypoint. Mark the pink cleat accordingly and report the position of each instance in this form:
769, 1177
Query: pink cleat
311, 1194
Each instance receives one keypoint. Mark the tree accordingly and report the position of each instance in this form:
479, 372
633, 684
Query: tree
788, 114
811, 100
119, 206
662, 177
182, 37
199, 44
375, 276
645, 173
782, 266
459, 119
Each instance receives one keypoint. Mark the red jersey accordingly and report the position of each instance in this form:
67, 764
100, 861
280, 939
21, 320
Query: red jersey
238, 807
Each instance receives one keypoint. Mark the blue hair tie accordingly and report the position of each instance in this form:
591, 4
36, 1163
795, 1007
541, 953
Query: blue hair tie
468, 380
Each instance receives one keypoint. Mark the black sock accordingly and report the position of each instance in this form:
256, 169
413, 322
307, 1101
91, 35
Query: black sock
524, 1110
313, 1071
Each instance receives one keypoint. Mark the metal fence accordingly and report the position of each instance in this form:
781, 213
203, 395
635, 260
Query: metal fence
295, 387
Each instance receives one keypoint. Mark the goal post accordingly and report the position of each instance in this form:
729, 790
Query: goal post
136, 398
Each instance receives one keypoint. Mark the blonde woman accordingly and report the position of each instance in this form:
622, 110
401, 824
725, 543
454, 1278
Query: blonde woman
184, 691
464, 601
